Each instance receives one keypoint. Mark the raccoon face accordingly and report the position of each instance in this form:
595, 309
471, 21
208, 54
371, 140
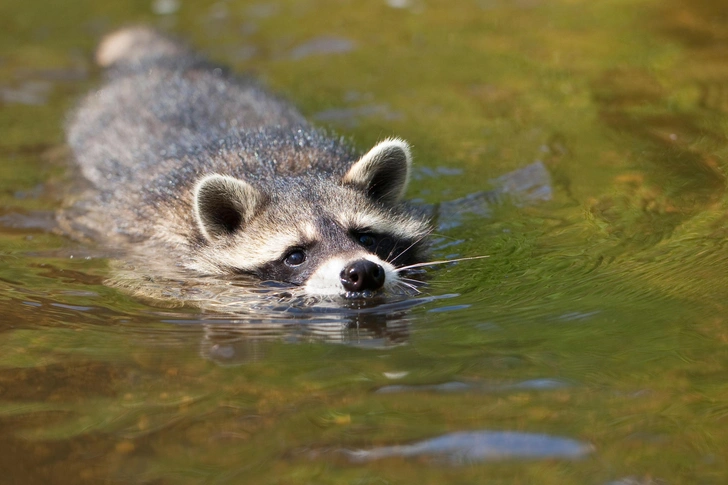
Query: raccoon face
332, 237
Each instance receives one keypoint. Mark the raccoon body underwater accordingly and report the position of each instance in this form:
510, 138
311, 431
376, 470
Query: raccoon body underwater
195, 167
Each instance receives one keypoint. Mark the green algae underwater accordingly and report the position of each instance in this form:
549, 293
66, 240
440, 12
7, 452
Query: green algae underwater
588, 348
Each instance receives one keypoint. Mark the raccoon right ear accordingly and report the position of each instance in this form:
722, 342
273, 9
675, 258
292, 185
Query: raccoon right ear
223, 204
383, 172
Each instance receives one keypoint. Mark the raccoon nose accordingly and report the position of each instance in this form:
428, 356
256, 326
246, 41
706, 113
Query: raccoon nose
362, 275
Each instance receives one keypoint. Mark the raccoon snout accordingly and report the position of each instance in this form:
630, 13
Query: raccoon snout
362, 275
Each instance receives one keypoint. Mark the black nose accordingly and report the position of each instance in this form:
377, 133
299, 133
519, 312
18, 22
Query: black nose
362, 275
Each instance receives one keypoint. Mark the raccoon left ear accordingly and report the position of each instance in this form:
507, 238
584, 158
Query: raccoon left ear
384, 171
223, 204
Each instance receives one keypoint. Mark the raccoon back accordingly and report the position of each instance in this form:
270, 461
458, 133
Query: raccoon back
162, 101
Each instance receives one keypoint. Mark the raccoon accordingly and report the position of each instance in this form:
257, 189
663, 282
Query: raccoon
198, 168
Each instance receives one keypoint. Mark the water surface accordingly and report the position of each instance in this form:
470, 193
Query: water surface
589, 347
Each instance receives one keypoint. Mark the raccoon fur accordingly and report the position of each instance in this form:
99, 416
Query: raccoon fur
195, 167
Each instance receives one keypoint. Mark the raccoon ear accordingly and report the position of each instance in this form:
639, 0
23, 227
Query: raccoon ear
384, 171
223, 204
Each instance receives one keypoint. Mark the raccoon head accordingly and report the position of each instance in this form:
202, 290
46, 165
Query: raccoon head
331, 235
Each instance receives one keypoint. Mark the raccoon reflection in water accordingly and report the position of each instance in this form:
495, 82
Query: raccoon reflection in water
195, 168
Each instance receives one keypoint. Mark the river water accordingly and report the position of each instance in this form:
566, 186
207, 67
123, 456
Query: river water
579, 145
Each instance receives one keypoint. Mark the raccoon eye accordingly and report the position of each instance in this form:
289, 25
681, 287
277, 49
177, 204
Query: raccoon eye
367, 240
295, 257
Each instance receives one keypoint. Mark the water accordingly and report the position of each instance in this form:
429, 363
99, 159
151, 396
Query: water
589, 347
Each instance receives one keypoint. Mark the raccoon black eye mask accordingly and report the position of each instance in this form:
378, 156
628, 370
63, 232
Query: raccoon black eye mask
195, 167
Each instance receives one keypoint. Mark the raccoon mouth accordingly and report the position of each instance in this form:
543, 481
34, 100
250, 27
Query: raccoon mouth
359, 295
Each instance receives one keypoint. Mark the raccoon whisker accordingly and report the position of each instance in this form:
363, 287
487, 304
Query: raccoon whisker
411, 287
391, 252
426, 234
411, 281
431, 263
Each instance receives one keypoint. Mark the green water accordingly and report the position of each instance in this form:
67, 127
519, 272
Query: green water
597, 324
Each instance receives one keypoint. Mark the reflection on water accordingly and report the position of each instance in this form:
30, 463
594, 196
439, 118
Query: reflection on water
530, 384
474, 446
580, 146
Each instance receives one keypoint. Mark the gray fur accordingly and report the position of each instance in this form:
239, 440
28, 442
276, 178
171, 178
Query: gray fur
171, 142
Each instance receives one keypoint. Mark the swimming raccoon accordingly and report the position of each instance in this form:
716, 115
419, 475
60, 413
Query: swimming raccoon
198, 168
